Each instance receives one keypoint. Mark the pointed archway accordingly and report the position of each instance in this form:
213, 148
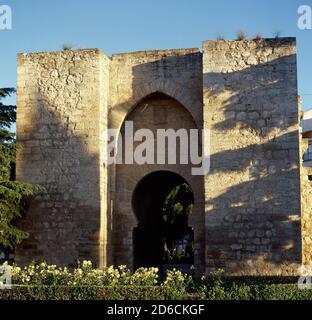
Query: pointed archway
156, 111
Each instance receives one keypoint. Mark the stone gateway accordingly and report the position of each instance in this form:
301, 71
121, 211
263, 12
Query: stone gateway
251, 213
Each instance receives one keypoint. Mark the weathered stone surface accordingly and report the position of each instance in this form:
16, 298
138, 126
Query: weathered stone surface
306, 208
247, 213
62, 112
261, 95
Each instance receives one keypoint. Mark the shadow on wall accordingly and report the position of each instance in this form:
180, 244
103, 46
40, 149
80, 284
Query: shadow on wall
253, 189
253, 193
177, 77
64, 222
253, 216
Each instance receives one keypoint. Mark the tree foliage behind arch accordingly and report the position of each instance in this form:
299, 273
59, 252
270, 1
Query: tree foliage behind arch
176, 211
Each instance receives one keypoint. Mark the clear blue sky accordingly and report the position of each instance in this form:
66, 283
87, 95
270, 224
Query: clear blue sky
124, 25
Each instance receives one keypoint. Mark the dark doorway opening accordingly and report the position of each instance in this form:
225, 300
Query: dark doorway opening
162, 202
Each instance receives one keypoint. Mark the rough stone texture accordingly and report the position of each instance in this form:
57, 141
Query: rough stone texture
247, 210
148, 114
250, 105
306, 207
62, 110
133, 77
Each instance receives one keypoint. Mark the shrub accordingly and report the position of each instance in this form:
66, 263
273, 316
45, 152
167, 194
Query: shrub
281, 292
175, 284
49, 282
84, 275
277, 34
216, 289
85, 293
196, 288
43, 281
258, 36
241, 35
254, 288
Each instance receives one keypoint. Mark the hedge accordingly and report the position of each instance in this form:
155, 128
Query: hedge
234, 292
49, 282
259, 292
86, 293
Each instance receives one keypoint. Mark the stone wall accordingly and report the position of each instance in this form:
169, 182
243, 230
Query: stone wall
105, 232
253, 189
247, 210
306, 208
155, 112
133, 77
61, 107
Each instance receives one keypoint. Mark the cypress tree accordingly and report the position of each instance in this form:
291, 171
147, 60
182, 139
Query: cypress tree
12, 193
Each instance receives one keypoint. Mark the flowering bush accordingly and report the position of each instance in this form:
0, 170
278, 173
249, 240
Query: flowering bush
176, 283
42, 281
40, 274
49, 282
145, 277
83, 275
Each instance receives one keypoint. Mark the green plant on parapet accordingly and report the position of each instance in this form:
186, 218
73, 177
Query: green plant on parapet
258, 36
241, 35
277, 34
66, 47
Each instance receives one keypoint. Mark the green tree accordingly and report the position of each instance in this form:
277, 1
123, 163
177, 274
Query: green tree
177, 209
7, 145
12, 193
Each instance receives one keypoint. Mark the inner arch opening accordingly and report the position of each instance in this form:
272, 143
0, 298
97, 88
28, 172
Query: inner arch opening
162, 202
